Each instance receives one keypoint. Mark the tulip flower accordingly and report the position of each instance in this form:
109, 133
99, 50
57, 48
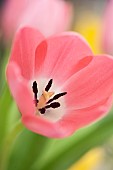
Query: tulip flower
107, 31
58, 84
48, 16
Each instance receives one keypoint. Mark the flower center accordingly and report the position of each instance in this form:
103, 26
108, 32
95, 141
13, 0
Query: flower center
46, 100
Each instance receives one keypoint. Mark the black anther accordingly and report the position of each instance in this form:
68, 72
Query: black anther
35, 91
42, 110
57, 96
49, 85
53, 105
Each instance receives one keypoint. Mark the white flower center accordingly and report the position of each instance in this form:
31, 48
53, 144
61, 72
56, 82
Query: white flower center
48, 99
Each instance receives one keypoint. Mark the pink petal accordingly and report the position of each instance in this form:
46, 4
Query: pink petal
19, 89
42, 126
23, 51
40, 53
87, 116
90, 85
69, 123
64, 52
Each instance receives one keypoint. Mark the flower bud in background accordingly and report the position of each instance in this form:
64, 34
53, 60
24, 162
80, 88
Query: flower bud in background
48, 16
107, 25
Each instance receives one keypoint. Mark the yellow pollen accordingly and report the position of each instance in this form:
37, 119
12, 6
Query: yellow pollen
44, 98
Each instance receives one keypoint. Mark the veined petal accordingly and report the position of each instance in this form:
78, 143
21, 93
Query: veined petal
23, 51
90, 85
42, 126
80, 118
20, 90
63, 54
69, 123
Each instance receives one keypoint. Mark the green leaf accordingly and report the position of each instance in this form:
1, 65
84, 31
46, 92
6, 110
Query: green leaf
5, 103
8, 143
64, 152
13, 116
4, 59
26, 150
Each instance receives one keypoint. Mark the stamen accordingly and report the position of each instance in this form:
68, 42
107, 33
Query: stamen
57, 96
49, 85
35, 91
42, 110
53, 105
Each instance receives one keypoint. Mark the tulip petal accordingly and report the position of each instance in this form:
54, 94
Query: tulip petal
40, 54
20, 90
90, 85
87, 116
69, 123
41, 126
23, 52
63, 54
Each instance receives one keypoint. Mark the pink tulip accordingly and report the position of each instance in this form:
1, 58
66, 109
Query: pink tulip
57, 83
107, 32
49, 16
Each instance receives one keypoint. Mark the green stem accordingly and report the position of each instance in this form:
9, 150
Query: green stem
8, 143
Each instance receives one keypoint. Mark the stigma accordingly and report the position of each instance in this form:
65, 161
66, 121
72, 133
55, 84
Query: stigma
48, 99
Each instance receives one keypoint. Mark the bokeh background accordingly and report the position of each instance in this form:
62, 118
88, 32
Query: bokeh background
90, 148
